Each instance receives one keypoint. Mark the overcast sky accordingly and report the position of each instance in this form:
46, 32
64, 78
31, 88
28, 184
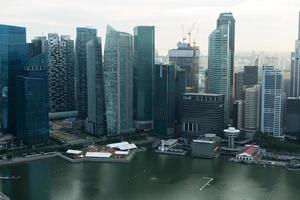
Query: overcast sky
261, 25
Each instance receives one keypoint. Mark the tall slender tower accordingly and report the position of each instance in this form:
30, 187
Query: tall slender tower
144, 41
219, 66
272, 101
61, 73
95, 122
227, 18
13, 57
83, 35
118, 80
295, 67
299, 27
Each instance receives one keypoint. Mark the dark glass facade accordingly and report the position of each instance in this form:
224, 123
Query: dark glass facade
32, 106
164, 100
180, 83
202, 113
293, 116
250, 75
83, 35
95, 122
144, 41
239, 85
13, 54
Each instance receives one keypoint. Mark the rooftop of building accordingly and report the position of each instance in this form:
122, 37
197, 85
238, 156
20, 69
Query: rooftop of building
207, 138
249, 150
203, 94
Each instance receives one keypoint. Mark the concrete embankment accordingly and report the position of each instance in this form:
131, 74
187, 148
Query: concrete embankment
27, 159
56, 154
85, 159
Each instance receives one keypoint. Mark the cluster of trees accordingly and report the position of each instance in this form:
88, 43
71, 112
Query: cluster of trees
271, 143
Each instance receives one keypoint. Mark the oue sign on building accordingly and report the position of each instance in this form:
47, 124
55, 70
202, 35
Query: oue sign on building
186, 98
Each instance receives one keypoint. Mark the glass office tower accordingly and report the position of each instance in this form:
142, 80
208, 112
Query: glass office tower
118, 79
13, 56
95, 122
272, 102
144, 58
83, 35
164, 101
32, 105
219, 66
227, 19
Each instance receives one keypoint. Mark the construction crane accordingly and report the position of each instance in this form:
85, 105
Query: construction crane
183, 38
190, 32
195, 38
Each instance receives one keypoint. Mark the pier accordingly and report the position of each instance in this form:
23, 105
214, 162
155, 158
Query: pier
208, 182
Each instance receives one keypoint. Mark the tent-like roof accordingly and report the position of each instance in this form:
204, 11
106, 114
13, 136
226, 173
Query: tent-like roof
98, 154
75, 152
126, 147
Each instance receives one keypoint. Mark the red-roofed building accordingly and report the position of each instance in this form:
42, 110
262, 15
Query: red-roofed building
249, 153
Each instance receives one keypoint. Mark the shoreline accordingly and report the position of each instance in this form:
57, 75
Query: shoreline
24, 159
20, 160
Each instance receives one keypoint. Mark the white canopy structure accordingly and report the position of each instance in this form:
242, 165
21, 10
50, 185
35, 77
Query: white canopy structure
127, 147
121, 152
116, 145
98, 155
74, 152
123, 146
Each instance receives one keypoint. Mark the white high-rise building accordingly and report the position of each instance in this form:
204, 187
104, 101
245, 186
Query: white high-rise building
252, 108
272, 101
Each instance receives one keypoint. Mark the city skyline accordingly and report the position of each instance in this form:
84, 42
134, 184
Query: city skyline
257, 25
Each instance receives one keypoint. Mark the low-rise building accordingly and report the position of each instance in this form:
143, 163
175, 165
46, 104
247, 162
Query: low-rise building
167, 144
206, 146
249, 154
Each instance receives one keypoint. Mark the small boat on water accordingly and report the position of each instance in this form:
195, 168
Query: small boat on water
293, 165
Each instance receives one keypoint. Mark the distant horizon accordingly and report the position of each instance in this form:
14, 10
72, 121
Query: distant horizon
261, 25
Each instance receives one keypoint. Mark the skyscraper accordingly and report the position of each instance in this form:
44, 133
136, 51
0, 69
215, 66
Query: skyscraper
219, 66
13, 56
295, 68
180, 83
164, 101
68, 60
57, 74
61, 73
202, 113
95, 122
293, 116
83, 35
32, 106
38, 52
272, 102
252, 108
187, 58
118, 80
239, 86
227, 19
250, 75
144, 58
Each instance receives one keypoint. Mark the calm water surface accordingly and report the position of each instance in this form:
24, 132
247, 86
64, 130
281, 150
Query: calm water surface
149, 177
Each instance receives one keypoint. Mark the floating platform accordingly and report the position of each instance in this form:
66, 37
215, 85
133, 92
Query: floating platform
177, 152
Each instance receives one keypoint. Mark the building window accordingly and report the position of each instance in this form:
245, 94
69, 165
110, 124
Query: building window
190, 127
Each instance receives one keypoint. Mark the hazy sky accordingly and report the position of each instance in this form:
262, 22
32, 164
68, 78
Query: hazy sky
268, 25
